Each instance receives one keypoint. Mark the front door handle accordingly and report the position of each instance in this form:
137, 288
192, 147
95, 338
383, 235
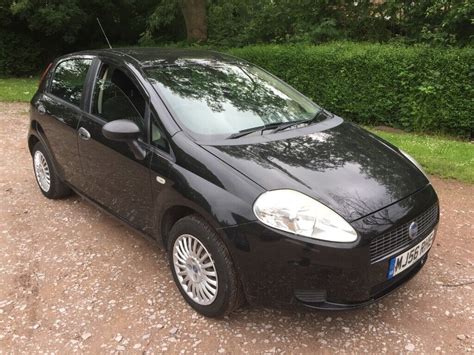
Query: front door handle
84, 133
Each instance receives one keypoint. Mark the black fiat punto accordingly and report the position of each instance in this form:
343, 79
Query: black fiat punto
257, 193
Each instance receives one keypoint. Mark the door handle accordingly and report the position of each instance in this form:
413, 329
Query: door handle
41, 109
84, 133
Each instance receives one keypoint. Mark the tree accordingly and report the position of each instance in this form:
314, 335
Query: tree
177, 20
195, 17
61, 26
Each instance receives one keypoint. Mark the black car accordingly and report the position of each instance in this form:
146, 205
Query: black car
257, 193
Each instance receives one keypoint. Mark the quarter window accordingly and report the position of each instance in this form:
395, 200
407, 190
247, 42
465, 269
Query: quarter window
158, 139
68, 79
116, 97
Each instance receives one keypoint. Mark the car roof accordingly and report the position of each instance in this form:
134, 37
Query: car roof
150, 57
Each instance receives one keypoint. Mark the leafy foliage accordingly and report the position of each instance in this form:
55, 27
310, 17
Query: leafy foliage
413, 88
44, 29
14, 60
32, 32
242, 22
416, 88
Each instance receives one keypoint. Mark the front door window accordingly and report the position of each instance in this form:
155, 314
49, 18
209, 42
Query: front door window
116, 97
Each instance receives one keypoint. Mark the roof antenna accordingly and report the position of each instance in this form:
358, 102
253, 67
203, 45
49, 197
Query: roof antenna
100, 25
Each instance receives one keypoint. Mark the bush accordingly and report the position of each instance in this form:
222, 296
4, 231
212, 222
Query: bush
413, 88
19, 54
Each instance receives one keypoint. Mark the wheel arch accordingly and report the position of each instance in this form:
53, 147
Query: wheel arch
33, 135
171, 213
37, 135
169, 218
32, 140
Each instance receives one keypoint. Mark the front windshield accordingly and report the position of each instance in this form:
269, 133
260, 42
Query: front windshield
214, 98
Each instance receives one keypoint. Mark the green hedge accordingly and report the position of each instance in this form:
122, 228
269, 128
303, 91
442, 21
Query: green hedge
19, 54
413, 88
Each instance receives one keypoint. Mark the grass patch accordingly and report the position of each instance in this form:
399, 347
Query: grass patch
17, 89
444, 157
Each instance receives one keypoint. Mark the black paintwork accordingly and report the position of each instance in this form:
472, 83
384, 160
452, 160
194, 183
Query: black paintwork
121, 130
345, 168
364, 179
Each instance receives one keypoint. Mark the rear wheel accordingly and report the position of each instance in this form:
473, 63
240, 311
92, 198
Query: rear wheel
48, 181
202, 268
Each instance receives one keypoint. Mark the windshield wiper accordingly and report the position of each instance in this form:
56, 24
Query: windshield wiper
316, 116
288, 125
295, 123
246, 131
279, 126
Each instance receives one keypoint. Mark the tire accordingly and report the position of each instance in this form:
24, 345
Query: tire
191, 231
48, 181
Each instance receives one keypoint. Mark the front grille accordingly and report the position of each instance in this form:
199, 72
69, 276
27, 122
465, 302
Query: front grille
398, 238
311, 296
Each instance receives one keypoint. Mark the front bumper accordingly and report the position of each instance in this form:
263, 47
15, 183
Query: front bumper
278, 268
377, 293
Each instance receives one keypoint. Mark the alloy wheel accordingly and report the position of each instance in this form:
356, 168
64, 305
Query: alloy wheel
195, 269
43, 175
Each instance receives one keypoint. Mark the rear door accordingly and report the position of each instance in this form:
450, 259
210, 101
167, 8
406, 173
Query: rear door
60, 111
113, 177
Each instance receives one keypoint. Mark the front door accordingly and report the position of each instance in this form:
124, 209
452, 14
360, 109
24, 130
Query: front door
113, 177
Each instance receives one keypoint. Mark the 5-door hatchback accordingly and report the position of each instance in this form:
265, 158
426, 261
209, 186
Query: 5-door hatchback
256, 192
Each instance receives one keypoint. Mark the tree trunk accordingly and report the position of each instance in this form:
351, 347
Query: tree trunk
194, 12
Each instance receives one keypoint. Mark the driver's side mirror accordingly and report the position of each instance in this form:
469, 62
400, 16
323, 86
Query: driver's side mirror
125, 131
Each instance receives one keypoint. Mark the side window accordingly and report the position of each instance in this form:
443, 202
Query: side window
68, 79
158, 139
116, 97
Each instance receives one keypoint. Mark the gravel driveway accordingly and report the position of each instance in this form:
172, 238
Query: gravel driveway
73, 279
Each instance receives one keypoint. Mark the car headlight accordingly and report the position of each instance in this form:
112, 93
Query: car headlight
291, 211
413, 161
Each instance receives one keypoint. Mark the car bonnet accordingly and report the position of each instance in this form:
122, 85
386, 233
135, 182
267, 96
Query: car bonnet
346, 168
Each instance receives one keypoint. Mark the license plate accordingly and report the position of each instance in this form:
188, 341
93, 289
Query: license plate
404, 261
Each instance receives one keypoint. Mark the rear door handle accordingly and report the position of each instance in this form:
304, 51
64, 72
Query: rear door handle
41, 109
84, 133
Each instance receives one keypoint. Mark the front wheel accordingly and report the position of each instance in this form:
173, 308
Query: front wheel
202, 268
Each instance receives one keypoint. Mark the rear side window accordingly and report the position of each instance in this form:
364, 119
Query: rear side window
68, 79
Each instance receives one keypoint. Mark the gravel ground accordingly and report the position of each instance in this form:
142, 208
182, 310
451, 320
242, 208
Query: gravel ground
75, 280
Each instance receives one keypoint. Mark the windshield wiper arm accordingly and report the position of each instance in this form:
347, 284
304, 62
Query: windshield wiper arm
279, 126
288, 125
246, 131
294, 123
316, 116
